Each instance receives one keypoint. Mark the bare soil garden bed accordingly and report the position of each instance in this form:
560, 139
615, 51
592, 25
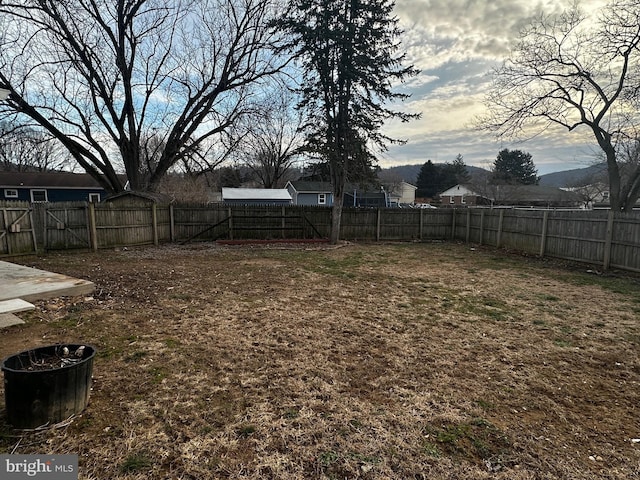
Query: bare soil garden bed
385, 361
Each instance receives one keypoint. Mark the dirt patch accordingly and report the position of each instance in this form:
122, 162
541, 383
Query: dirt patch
394, 361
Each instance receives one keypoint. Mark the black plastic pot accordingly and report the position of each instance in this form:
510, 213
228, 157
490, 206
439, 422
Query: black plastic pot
47, 385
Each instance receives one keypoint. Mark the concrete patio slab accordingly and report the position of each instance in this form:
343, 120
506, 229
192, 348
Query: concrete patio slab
15, 305
9, 319
29, 284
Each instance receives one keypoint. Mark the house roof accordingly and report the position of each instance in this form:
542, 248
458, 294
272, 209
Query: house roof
303, 186
515, 193
274, 194
48, 179
311, 187
536, 193
461, 189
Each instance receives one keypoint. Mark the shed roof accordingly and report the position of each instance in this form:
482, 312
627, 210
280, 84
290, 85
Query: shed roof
273, 194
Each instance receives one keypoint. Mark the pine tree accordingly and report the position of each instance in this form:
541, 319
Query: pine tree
460, 169
348, 53
428, 180
514, 166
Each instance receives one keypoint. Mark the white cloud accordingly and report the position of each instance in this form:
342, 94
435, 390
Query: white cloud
456, 44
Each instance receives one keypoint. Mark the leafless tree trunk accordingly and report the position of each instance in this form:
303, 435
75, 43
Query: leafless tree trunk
566, 72
104, 76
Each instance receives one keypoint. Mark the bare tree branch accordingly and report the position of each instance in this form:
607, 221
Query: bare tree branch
104, 76
566, 72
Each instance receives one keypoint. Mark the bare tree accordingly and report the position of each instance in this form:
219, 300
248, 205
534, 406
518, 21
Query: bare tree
24, 149
565, 71
105, 76
273, 138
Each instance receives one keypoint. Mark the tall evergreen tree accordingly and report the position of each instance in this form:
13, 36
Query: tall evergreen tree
515, 166
428, 180
348, 50
460, 169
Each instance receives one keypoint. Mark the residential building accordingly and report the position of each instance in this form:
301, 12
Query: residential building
50, 187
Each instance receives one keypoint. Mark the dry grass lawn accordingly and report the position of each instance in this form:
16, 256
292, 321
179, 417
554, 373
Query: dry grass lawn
386, 361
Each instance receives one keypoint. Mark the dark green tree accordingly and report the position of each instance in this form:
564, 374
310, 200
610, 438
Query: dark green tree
428, 180
460, 169
514, 166
348, 52
434, 179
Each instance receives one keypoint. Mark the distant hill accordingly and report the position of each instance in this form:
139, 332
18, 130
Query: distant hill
575, 177
566, 178
409, 173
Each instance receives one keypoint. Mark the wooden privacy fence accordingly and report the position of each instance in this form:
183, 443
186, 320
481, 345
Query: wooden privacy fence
597, 237
17, 235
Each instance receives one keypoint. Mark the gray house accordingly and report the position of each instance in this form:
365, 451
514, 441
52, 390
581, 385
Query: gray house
310, 193
320, 194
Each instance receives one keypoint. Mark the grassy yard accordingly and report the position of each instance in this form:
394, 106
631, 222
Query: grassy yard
392, 361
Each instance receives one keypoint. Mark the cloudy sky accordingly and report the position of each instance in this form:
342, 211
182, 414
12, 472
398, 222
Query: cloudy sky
455, 44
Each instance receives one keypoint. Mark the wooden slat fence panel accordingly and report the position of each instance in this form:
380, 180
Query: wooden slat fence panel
65, 226
17, 235
358, 224
576, 235
521, 230
625, 243
119, 225
200, 222
436, 224
399, 224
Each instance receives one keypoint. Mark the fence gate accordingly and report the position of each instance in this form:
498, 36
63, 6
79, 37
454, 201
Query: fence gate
17, 235
66, 227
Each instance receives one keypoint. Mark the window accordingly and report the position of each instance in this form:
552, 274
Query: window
451, 199
322, 199
10, 193
94, 197
39, 196
605, 195
463, 199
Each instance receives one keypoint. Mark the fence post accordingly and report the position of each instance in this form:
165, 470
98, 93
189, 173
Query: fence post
172, 225
93, 229
608, 240
5, 219
39, 225
468, 233
421, 234
499, 234
543, 239
283, 222
377, 225
453, 223
481, 227
33, 233
230, 223
154, 223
